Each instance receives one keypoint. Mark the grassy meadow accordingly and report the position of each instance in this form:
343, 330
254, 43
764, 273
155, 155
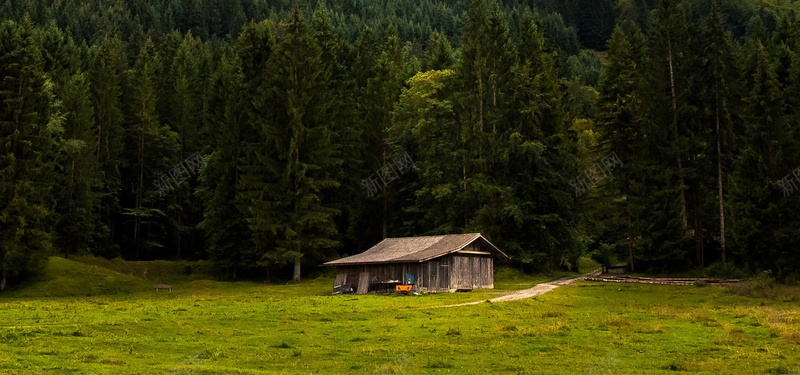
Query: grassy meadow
118, 325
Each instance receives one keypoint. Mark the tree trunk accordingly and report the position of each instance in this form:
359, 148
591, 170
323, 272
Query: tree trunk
139, 192
719, 188
178, 232
71, 194
464, 186
682, 198
2, 270
100, 137
480, 102
630, 239
296, 275
178, 213
383, 218
494, 103
384, 225
698, 228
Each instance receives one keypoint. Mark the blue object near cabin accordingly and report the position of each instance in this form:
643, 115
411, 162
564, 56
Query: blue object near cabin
409, 278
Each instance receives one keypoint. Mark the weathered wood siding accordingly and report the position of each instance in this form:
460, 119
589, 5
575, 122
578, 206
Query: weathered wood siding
433, 275
475, 246
456, 271
472, 272
381, 272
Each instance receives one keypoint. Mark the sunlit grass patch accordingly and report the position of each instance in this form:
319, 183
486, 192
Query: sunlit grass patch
648, 327
542, 329
551, 313
617, 322
734, 336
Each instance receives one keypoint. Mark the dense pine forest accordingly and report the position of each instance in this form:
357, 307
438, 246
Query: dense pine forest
269, 137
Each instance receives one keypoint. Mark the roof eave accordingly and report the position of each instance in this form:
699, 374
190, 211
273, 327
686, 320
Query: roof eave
373, 262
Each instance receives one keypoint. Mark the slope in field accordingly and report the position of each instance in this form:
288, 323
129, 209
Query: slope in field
64, 278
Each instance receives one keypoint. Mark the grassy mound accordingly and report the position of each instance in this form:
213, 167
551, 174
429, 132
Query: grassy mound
66, 278
157, 271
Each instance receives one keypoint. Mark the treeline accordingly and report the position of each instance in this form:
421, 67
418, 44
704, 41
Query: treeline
707, 128
290, 120
570, 23
266, 138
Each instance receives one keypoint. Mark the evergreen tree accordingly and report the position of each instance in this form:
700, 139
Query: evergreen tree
184, 118
537, 213
79, 186
146, 120
596, 22
30, 122
439, 54
291, 218
366, 226
564, 37
792, 83
229, 239
671, 107
107, 66
486, 73
343, 117
621, 117
767, 140
424, 124
392, 67
718, 81
153, 151
669, 41
254, 48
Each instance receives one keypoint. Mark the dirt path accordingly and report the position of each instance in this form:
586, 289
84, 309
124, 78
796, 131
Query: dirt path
537, 290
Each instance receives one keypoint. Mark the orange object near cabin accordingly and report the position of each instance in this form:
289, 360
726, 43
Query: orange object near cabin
403, 288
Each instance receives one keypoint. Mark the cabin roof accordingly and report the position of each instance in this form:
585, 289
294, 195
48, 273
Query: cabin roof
416, 249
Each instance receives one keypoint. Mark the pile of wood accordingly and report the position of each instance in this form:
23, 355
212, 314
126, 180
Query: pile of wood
340, 286
658, 280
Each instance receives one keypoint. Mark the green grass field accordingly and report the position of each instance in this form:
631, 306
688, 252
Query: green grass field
207, 327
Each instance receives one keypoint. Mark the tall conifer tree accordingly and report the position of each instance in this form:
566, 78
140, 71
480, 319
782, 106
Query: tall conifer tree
29, 124
291, 218
107, 66
537, 214
621, 118
718, 81
154, 148
78, 192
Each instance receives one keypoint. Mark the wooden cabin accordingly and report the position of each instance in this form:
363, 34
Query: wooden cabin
430, 263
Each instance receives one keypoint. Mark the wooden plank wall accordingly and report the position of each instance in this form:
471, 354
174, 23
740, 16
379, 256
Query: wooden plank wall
352, 274
490, 274
385, 272
444, 273
471, 272
475, 246
381, 272
433, 275
457, 271
457, 275
363, 283
426, 274
341, 278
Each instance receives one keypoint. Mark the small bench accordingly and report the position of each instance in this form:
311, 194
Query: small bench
162, 287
